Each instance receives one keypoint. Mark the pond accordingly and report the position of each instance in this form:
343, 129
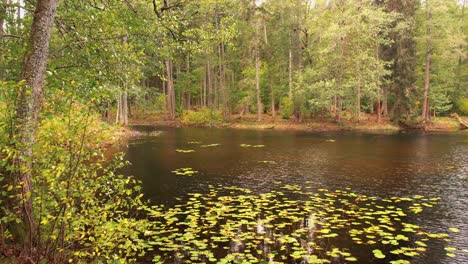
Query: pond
377, 167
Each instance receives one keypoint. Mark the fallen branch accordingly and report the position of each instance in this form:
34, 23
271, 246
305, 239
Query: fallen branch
462, 122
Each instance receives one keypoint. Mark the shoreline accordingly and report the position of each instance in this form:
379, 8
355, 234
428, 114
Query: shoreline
307, 126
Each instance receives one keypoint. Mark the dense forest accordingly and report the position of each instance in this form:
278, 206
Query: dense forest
402, 59
71, 68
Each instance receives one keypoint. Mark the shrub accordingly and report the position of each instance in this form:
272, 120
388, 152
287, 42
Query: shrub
287, 107
204, 116
83, 210
462, 104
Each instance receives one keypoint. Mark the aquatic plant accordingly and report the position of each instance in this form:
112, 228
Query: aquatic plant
294, 225
210, 145
267, 161
251, 146
185, 150
184, 171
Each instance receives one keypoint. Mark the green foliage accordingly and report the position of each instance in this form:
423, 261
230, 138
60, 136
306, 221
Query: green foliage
83, 210
287, 107
204, 116
462, 105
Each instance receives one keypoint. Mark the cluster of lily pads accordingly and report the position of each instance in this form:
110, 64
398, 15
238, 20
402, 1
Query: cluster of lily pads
292, 225
190, 171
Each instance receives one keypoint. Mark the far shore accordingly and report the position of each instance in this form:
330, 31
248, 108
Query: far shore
367, 123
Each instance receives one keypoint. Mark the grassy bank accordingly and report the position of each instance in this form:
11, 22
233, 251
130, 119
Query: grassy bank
366, 123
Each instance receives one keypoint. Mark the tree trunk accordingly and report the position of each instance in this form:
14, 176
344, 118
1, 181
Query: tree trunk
125, 107
257, 72
205, 80
222, 86
187, 88
299, 36
28, 107
108, 113
170, 89
166, 107
425, 110
2, 16
358, 100
384, 103
117, 113
378, 106
272, 91
335, 104
290, 93
210, 85
460, 57
3, 13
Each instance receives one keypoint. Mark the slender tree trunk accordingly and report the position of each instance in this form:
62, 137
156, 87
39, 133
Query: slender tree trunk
425, 110
205, 80
358, 100
341, 68
170, 89
166, 105
335, 104
272, 91
384, 103
117, 113
200, 98
187, 87
108, 116
222, 86
299, 36
340, 106
290, 93
2, 16
125, 107
215, 88
257, 72
28, 107
3, 13
460, 57
210, 85
18, 17
378, 106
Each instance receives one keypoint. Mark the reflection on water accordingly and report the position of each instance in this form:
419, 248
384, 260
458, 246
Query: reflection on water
405, 164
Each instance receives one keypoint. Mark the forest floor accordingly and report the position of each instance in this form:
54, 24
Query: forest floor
367, 122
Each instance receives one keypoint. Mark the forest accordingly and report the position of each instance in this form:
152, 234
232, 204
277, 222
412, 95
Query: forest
75, 75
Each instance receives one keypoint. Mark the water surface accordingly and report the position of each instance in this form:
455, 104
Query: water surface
403, 164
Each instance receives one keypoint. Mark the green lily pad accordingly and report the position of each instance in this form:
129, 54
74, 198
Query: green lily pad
184, 171
378, 254
185, 150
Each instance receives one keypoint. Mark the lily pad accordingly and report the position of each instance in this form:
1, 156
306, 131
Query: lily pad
185, 150
378, 254
210, 145
185, 172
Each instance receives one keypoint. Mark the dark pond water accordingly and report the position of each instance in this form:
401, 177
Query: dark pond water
403, 164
